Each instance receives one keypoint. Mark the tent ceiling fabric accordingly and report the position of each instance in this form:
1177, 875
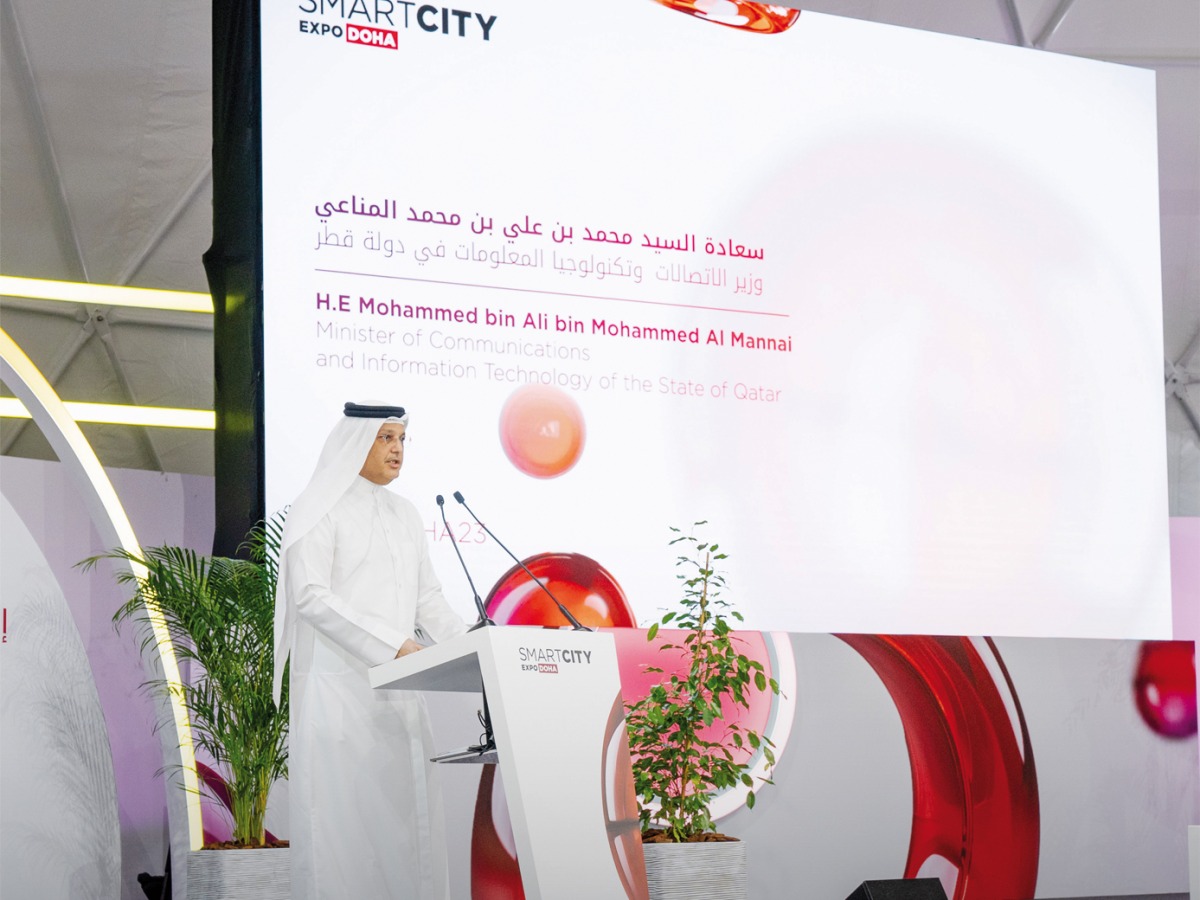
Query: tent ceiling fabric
106, 174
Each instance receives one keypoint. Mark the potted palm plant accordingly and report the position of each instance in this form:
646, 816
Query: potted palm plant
686, 746
219, 613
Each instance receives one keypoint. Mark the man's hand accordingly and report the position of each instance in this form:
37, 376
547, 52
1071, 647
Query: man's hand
409, 646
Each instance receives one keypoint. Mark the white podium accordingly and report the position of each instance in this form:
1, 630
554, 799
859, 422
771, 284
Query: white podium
558, 719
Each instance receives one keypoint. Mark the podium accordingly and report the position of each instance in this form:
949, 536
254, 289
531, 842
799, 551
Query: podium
558, 719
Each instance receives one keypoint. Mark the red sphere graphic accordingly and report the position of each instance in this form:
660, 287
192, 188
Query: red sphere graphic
1165, 687
581, 584
542, 430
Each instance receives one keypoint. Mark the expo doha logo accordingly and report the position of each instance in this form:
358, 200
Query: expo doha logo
378, 23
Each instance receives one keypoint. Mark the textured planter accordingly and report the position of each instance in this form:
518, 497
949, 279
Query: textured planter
714, 870
240, 874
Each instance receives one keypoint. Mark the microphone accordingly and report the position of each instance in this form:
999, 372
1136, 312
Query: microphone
575, 624
483, 616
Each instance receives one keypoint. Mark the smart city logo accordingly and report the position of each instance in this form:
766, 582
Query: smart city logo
378, 23
545, 661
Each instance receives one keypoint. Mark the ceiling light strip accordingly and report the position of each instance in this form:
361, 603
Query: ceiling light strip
105, 294
114, 414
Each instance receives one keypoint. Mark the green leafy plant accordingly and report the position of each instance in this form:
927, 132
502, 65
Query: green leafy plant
220, 613
681, 762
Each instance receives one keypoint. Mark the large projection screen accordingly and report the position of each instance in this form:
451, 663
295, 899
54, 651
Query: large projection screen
882, 306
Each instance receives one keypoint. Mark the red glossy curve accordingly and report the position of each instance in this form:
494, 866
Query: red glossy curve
760, 18
495, 874
975, 793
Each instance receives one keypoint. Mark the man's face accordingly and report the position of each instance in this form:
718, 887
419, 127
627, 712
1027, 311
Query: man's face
386, 456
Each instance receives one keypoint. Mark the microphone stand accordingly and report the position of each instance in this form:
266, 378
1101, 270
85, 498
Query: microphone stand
485, 719
575, 624
484, 619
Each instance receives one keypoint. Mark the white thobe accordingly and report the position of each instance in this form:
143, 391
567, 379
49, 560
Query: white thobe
365, 804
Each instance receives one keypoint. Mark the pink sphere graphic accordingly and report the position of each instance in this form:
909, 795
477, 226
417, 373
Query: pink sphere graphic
542, 430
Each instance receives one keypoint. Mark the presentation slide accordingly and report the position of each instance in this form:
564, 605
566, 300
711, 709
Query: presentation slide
883, 307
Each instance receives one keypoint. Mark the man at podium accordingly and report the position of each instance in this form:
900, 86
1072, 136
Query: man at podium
355, 586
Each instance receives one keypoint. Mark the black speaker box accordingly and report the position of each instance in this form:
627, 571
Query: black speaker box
900, 889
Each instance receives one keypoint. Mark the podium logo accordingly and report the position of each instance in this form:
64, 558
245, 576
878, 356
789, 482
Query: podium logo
378, 23
545, 661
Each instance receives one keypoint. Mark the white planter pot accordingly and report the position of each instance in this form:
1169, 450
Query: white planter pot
713, 870
240, 874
